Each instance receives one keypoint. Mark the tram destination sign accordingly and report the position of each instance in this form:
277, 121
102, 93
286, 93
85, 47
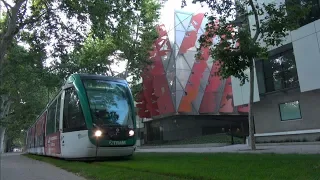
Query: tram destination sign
117, 143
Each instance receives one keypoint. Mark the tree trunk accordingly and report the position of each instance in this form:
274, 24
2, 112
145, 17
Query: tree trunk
126, 73
10, 31
251, 126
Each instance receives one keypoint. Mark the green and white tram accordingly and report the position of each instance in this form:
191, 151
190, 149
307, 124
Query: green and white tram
92, 116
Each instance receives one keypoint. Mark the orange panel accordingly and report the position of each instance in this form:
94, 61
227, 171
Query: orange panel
210, 101
190, 39
226, 105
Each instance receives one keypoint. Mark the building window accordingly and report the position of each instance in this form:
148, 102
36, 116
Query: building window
290, 111
313, 15
280, 72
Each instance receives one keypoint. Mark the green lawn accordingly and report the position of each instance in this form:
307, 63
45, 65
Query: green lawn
197, 166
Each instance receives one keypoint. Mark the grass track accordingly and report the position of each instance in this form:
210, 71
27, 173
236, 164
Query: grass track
168, 166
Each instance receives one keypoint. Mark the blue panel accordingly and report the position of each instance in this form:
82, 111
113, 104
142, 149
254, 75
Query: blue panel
183, 76
179, 37
179, 95
171, 64
198, 100
178, 24
184, 19
176, 50
204, 79
181, 63
203, 24
190, 57
170, 74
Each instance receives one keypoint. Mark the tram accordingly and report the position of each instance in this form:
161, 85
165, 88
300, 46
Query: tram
91, 117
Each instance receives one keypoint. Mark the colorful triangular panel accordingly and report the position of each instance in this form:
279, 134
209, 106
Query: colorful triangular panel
179, 95
179, 38
189, 56
178, 24
197, 101
176, 81
181, 63
226, 105
184, 19
183, 76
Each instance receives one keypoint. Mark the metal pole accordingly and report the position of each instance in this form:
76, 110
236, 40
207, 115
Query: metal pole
243, 133
232, 142
97, 145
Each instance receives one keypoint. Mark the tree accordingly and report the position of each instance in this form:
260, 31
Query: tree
23, 78
77, 37
136, 37
240, 44
64, 25
129, 40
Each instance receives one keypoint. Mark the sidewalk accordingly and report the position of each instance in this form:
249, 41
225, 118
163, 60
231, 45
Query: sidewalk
242, 148
17, 167
184, 146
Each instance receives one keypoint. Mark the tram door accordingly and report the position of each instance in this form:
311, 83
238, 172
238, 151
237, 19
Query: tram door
52, 141
74, 134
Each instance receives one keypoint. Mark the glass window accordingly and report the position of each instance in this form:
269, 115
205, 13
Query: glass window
110, 103
280, 72
290, 111
73, 119
58, 113
51, 118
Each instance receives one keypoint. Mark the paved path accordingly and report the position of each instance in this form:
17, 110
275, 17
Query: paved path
242, 148
17, 167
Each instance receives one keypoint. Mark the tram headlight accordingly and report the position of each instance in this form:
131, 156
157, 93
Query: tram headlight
98, 133
131, 132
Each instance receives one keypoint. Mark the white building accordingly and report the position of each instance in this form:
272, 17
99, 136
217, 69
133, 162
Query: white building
287, 87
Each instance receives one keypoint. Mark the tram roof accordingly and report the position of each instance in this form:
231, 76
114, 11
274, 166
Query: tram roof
100, 77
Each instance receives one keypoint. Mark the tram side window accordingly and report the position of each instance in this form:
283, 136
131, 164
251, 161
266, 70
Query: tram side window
58, 114
51, 118
73, 119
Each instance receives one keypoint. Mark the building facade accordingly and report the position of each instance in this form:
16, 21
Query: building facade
288, 86
183, 96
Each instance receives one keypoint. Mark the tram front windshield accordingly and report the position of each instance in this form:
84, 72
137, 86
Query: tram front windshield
109, 103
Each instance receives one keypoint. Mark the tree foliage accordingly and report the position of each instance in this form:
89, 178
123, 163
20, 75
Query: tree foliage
23, 82
77, 37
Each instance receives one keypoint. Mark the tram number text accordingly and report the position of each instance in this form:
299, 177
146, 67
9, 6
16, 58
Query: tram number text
115, 143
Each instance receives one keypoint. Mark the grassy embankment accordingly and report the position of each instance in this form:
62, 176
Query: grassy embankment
169, 166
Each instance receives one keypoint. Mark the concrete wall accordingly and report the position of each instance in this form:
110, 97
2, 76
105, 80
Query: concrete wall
288, 138
267, 115
241, 94
305, 41
178, 128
